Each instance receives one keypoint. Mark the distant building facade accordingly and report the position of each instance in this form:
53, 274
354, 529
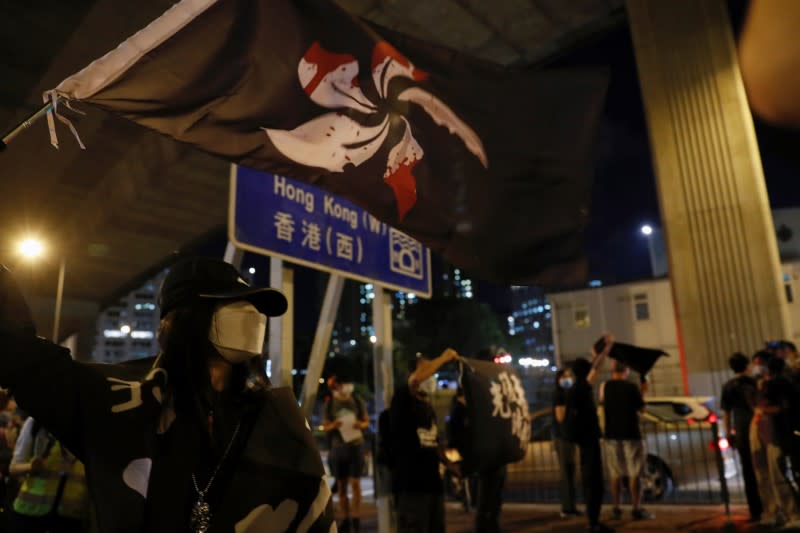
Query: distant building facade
643, 313
127, 330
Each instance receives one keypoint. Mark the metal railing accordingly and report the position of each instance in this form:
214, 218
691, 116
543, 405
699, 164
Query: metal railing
687, 462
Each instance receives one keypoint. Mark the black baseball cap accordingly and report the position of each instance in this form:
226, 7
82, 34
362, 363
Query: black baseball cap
195, 278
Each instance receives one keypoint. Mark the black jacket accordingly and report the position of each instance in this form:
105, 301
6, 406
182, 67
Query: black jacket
112, 417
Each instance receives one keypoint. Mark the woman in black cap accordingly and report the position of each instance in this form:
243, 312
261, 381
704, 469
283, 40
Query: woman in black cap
193, 440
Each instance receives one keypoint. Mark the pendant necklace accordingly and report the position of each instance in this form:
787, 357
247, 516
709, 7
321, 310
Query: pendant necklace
201, 511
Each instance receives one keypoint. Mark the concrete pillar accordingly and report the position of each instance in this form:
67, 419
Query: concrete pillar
723, 257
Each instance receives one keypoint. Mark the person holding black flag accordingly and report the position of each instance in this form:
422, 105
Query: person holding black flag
582, 427
194, 440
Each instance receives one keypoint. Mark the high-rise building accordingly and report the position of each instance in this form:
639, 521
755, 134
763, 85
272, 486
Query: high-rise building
453, 283
127, 330
354, 325
530, 320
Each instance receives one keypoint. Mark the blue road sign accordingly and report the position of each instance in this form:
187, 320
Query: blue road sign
277, 216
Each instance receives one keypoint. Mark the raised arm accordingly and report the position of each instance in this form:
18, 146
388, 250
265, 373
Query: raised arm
598, 358
427, 368
41, 375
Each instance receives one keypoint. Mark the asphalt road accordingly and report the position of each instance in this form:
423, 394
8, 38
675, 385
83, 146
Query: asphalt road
518, 518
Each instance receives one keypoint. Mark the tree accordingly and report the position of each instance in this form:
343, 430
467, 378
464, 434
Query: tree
463, 324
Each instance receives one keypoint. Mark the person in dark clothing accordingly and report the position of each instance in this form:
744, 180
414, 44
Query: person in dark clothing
788, 352
193, 440
565, 450
582, 427
768, 441
464, 487
738, 401
416, 482
625, 449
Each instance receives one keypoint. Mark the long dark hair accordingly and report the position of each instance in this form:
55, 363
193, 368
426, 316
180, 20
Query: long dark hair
185, 351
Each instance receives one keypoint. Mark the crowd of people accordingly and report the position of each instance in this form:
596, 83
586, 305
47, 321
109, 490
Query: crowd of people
211, 420
42, 485
761, 410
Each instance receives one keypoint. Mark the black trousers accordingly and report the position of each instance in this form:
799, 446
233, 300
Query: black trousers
592, 478
566, 463
749, 476
490, 500
419, 512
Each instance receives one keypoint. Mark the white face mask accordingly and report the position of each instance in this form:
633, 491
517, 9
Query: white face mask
346, 389
237, 331
428, 386
566, 383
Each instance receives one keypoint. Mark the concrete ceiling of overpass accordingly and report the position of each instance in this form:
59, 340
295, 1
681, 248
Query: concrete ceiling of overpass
118, 210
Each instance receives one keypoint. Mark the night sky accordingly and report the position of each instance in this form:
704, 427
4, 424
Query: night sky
624, 195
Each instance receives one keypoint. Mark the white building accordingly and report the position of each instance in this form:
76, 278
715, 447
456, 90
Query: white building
128, 329
643, 313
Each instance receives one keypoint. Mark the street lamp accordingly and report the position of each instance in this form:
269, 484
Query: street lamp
31, 249
647, 230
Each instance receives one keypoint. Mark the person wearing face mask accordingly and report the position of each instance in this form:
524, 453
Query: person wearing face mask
344, 419
417, 485
566, 450
194, 440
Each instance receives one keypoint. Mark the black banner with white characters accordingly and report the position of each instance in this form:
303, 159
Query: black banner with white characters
498, 426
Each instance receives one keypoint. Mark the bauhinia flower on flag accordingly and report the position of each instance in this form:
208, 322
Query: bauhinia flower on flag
334, 140
490, 168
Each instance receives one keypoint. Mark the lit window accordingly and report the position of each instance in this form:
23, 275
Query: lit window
582, 317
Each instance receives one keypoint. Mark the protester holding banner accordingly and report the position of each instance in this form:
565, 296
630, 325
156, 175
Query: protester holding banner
194, 440
582, 427
417, 484
345, 416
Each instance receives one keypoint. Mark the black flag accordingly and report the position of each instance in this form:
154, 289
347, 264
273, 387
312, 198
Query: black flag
489, 168
639, 359
498, 426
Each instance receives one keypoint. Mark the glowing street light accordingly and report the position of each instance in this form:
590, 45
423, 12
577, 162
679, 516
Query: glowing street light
30, 248
648, 230
373, 339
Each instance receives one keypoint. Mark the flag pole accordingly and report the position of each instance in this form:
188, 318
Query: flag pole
46, 108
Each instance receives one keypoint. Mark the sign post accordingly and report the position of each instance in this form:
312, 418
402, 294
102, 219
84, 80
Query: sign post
299, 223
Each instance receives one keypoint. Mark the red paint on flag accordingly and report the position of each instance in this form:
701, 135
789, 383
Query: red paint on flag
326, 63
383, 50
404, 186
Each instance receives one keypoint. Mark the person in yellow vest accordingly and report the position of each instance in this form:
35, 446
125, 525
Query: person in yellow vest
53, 497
